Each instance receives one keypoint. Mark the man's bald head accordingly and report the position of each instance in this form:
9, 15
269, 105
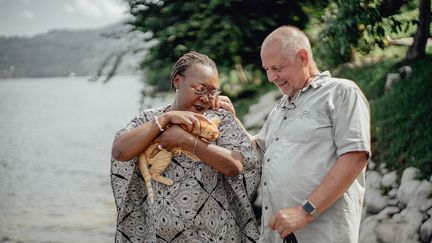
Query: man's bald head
290, 39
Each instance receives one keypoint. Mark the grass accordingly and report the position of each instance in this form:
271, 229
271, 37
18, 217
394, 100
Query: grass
401, 119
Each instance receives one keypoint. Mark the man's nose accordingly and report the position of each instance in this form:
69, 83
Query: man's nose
272, 76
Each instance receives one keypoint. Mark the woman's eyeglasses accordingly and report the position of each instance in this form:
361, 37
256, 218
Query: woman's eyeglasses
202, 90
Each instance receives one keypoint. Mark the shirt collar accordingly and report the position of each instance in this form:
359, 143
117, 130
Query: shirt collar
316, 82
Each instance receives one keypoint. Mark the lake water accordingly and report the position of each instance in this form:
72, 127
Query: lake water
55, 144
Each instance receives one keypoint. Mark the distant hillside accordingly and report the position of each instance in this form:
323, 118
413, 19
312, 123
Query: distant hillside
61, 53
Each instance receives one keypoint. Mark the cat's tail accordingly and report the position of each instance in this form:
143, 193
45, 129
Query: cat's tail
144, 168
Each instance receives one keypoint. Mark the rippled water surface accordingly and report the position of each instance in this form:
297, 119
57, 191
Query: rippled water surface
55, 142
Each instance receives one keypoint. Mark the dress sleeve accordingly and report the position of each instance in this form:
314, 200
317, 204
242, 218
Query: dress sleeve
123, 172
234, 138
245, 185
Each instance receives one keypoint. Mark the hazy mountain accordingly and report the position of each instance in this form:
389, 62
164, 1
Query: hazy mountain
62, 53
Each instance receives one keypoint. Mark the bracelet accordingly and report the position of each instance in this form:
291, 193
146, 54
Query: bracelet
158, 124
195, 144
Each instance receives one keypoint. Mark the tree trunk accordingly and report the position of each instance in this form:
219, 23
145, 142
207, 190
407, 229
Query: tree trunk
417, 49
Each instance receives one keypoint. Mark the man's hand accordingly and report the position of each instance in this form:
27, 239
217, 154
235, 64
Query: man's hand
225, 103
288, 220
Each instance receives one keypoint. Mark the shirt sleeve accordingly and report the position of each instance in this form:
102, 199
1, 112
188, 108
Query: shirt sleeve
259, 139
351, 121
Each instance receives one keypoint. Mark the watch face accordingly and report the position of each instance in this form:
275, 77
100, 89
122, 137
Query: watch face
308, 208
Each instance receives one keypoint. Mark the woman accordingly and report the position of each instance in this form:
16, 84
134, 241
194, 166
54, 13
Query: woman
210, 200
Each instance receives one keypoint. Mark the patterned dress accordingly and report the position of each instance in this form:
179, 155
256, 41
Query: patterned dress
201, 206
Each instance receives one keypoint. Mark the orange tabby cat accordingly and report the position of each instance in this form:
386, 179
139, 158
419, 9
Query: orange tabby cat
152, 166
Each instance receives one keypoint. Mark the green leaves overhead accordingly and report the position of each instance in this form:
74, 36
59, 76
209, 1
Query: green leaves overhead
229, 31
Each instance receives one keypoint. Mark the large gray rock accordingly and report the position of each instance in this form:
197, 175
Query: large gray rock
410, 174
374, 201
367, 230
258, 112
391, 80
427, 205
373, 179
426, 231
421, 195
402, 227
389, 179
412, 192
409, 185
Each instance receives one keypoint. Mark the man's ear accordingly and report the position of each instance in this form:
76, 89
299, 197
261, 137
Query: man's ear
302, 55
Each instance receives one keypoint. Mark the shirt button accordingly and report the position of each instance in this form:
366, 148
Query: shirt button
268, 160
265, 183
285, 117
265, 207
277, 139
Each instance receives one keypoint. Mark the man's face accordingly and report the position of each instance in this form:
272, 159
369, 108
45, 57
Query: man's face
286, 74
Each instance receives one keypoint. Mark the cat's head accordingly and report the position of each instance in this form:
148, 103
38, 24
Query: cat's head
209, 130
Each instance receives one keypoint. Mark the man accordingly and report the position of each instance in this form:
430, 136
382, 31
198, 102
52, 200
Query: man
315, 146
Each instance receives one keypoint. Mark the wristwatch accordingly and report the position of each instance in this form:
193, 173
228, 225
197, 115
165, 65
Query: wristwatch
309, 208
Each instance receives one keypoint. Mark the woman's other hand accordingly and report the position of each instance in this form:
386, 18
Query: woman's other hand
187, 118
225, 103
174, 136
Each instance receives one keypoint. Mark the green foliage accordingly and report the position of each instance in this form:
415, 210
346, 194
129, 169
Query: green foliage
361, 25
400, 118
228, 31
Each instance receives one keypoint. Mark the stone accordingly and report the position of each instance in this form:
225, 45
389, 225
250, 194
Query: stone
392, 202
409, 185
258, 112
391, 80
389, 179
387, 232
373, 179
407, 190
409, 174
426, 231
372, 165
374, 201
421, 194
405, 71
402, 227
367, 230
392, 193
387, 213
427, 205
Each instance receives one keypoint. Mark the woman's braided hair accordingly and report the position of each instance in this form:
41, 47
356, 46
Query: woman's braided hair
187, 60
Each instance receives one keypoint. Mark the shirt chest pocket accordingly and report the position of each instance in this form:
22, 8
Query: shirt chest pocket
305, 126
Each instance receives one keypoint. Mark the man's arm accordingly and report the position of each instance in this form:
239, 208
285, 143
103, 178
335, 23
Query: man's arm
340, 177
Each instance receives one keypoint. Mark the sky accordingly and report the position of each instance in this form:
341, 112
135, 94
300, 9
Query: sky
30, 17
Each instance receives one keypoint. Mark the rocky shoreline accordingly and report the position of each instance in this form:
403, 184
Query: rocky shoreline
396, 209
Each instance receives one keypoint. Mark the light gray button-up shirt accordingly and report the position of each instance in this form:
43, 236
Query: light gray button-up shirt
301, 141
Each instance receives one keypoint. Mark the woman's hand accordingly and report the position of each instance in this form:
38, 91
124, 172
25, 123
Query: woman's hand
225, 103
174, 136
187, 118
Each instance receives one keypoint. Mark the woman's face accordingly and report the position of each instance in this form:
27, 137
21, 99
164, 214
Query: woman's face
192, 86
